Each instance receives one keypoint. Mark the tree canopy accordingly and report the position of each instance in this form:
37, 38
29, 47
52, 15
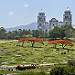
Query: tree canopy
32, 40
57, 32
62, 42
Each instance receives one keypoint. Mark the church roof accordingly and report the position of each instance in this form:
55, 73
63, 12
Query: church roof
41, 11
53, 19
67, 10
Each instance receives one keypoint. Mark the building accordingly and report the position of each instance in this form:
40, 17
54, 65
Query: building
45, 26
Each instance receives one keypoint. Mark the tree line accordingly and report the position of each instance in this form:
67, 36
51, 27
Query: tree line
58, 32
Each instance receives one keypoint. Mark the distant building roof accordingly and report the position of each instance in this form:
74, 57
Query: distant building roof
53, 19
67, 10
41, 11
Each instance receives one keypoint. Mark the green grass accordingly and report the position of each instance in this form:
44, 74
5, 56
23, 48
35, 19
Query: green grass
13, 54
26, 72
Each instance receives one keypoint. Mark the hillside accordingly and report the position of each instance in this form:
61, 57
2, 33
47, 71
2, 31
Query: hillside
32, 26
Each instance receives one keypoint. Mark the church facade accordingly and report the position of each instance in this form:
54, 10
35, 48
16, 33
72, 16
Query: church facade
45, 26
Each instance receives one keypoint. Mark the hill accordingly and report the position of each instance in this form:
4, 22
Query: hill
32, 26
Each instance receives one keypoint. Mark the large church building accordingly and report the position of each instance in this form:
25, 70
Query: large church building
45, 26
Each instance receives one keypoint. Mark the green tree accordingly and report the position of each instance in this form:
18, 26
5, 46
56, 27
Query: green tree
28, 36
71, 62
62, 32
35, 33
68, 30
41, 34
62, 70
9, 36
57, 32
2, 33
20, 33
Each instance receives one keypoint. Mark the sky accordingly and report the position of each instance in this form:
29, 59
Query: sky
22, 12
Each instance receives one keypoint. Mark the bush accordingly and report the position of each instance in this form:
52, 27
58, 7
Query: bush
25, 67
63, 71
32, 73
59, 71
71, 62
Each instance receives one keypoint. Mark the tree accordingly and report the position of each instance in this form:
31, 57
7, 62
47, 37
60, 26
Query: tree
41, 34
35, 33
54, 43
33, 41
23, 40
71, 62
20, 32
15, 34
36, 40
68, 30
57, 32
28, 36
2, 33
59, 70
45, 35
62, 42
8, 36
62, 32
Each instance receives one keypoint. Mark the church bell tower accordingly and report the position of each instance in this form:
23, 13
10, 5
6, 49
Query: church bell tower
67, 17
41, 19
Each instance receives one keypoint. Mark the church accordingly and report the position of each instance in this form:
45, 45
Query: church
45, 26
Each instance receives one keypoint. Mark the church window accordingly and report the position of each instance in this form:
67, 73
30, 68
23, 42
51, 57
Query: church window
66, 16
70, 16
46, 30
53, 24
38, 20
40, 13
44, 19
66, 22
40, 24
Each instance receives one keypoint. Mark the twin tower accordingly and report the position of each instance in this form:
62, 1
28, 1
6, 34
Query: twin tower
48, 26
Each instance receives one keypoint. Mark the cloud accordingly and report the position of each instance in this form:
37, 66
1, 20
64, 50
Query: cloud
10, 13
26, 5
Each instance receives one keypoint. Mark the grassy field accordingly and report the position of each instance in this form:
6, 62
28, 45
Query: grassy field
12, 54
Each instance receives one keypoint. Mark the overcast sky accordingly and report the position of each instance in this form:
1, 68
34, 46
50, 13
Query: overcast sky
21, 12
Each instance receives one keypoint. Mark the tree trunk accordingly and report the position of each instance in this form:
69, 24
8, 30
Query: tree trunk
32, 45
62, 45
22, 43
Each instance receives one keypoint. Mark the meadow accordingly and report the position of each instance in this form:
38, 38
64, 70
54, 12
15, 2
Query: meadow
11, 53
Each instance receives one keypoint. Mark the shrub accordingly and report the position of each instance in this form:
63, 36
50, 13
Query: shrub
25, 67
71, 62
59, 71
32, 73
63, 71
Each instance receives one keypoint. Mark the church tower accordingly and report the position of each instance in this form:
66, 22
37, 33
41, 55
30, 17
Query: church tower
41, 19
67, 17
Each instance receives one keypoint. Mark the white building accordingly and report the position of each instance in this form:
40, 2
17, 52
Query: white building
48, 26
